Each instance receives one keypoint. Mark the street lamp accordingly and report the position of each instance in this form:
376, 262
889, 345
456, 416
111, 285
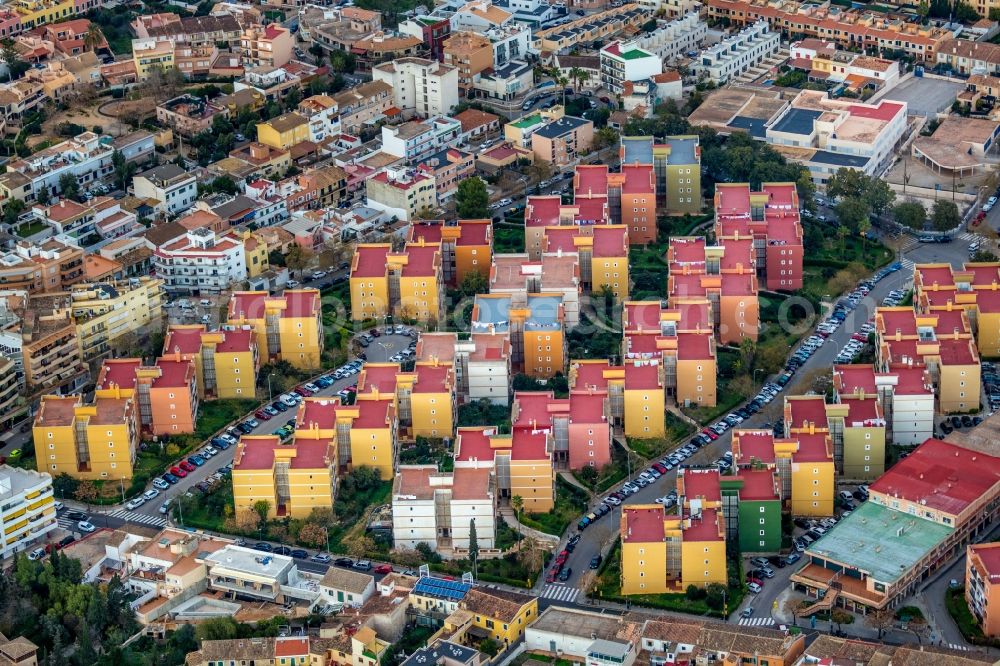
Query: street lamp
756, 370
269, 386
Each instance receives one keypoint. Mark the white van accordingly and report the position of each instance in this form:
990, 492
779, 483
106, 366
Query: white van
754, 588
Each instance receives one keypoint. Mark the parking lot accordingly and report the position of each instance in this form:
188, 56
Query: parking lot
923, 96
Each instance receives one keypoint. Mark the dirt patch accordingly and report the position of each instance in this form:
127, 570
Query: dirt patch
122, 107
88, 117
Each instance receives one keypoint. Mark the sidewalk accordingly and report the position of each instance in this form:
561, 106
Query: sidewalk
572, 480
507, 514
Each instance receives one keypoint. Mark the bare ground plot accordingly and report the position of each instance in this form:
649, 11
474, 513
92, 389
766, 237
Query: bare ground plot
924, 96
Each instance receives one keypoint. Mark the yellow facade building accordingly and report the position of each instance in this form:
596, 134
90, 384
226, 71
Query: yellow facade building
501, 614
255, 252
365, 434
104, 312
413, 277
430, 389
288, 327
645, 405
94, 442
284, 131
226, 361
532, 476
293, 478
33, 13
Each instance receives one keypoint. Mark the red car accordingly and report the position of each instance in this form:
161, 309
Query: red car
552, 575
979, 218
186, 466
711, 434
303, 391
660, 468
561, 558
262, 415
178, 472
383, 569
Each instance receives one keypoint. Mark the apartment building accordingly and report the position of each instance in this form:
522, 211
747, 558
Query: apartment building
806, 458
673, 39
323, 115
267, 46
408, 283
226, 361
471, 53
439, 508
426, 87
96, 441
430, 390
416, 140
41, 339
939, 287
920, 515
664, 552
562, 141
602, 251
200, 262
364, 434
521, 462
967, 56
293, 478
49, 266
677, 165
285, 131
364, 104
482, 367
940, 341
904, 395
751, 501
86, 156
79, 224
626, 62
289, 327
361, 648
771, 218
402, 192
173, 189
104, 312
982, 578
466, 246
580, 424
556, 273
27, 511
849, 28
737, 53
11, 405
166, 392
595, 27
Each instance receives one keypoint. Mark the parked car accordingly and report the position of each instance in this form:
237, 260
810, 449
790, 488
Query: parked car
85, 526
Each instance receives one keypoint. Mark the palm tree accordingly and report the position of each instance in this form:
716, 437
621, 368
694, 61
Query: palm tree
584, 76
563, 82
574, 73
517, 502
93, 38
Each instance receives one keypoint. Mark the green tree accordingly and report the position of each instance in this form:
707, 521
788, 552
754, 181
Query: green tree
12, 210
124, 170
16, 65
851, 211
262, 507
474, 282
472, 201
69, 186
44, 195
910, 214
93, 38
297, 258
473, 547
86, 492
517, 503
945, 215
217, 629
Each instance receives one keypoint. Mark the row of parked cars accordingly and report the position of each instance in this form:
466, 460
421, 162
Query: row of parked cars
991, 384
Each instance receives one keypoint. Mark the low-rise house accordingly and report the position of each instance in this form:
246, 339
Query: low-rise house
346, 587
172, 188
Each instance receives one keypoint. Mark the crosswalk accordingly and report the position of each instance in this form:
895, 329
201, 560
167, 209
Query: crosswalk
907, 264
560, 593
966, 236
756, 621
133, 517
956, 646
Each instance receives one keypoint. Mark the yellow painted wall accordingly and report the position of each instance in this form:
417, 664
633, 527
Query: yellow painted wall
418, 298
855, 453
507, 633
812, 488
534, 481
649, 560
269, 136
952, 395
688, 382
988, 334
426, 424
374, 447
250, 485
703, 562
301, 340
55, 451
603, 271
644, 413
34, 14
543, 353
369, 298
233, 384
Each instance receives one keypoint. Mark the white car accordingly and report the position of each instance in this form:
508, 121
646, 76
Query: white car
152, 493
134, 504
36, 554
84, 526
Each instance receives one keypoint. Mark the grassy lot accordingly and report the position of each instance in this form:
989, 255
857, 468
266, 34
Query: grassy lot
610, 474
677, 430
570, 504
507, 239
727, 400
827, 256
507, 570
648, 269
966, 621
31, 228
681, 225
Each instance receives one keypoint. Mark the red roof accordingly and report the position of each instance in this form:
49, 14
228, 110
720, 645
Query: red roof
184, 340
701, 484
704, 529
591, 374
642, 315
958, 352
738, 254
373, 413
989, 556
421, 260
694, 346
258, 453
754, 445
912, 381
811, 409
941, 475
758, 485
639, 179
527, 444
587, 407
236, 341
591, 210
610, 241
884, 111
429, 230
988, 300
561, 238
687, 250
378, 376
854, 378
942, 275
862, 413
984, 274
120, 372
642, 376
321, 412
643, 525
474, 232
812, 448
533, 408
252, 304
474, 444
694, 315
733, 200
739, 284
432, 379
592, 179
173, 373
542, 211
291, 647
370, 261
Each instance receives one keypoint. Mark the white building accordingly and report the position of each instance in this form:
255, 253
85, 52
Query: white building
421, 86
172, 187
346, 587
482, 367
622, 62
415, 140
912, 405
737, 53
437, 508
505, 82
258, 575
510, 42
86, 156
323, 115
200, 262
676, 38
580, 634
27, 509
